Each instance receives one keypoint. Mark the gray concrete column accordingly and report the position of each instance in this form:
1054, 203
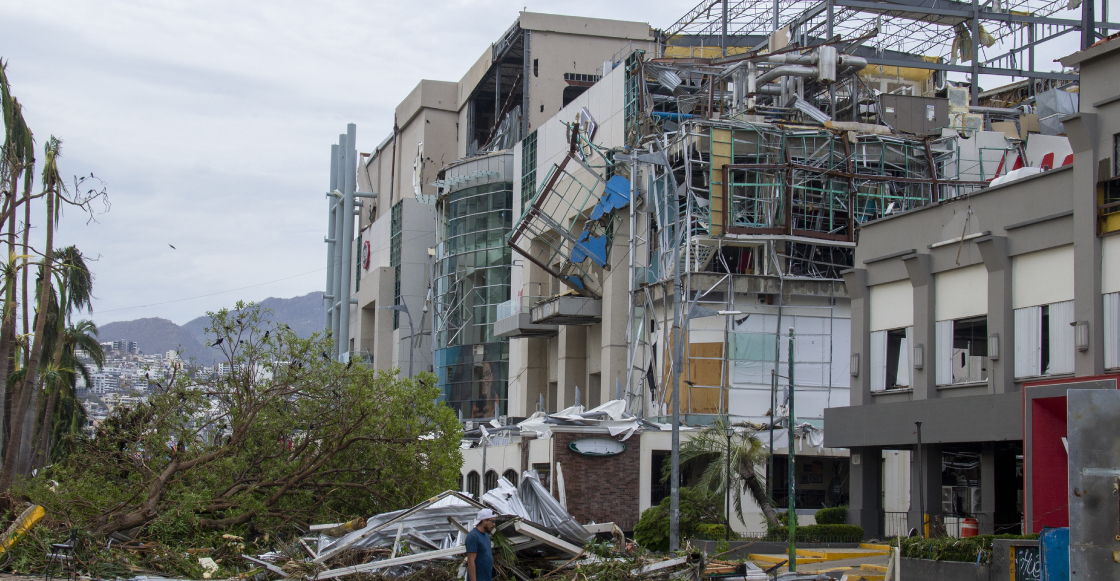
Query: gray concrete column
855, 280
925, 379
931, 458
1001, 315
865, 491
571, 365
532, 371
1088, 304
987, 487
616, 316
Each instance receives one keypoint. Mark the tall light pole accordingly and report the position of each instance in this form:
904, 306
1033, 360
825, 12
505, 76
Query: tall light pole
792, 467
403, 308
728, 431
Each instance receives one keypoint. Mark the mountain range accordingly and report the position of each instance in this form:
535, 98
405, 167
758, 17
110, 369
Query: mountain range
303, 314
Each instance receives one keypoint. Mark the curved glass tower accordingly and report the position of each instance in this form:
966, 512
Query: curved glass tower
475, 213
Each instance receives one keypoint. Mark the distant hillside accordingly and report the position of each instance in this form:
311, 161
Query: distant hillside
303, 314
156, 335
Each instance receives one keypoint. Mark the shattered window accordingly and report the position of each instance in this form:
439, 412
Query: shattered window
472, 484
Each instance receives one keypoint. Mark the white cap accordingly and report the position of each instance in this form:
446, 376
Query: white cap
484, 514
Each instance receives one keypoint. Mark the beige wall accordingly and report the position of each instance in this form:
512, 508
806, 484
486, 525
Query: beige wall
559, 53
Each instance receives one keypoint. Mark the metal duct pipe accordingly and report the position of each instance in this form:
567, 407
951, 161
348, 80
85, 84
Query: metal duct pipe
856, 62
752, 84
328, 290
787, 71
794, 59
350, 174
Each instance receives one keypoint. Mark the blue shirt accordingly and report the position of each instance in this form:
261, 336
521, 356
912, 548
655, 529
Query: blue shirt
478, 543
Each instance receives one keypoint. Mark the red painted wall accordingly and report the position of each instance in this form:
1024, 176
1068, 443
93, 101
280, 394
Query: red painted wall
1049, 469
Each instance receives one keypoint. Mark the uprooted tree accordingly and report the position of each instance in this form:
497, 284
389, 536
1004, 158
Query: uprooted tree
279, 437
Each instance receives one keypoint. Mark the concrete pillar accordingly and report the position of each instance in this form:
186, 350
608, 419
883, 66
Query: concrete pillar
987, 487
616, 316
1001, 316
571, 364
865, 491
931, 458
1088, 304
855, 280
533, 382
921, 279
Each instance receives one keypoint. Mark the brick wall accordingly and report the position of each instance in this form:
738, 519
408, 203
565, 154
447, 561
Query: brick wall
600, 489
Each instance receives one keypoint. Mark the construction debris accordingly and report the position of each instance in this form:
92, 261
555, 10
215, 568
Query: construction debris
534, 538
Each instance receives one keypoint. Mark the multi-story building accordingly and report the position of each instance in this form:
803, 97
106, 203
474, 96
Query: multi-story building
974, 316
539, 65
669, 214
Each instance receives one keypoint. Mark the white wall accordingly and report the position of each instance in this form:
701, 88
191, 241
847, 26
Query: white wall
961, 293
1043, 277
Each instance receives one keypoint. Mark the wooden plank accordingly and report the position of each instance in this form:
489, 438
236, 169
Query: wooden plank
417, 558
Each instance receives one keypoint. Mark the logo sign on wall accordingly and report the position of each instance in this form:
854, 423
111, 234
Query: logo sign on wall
597, 447
365, 255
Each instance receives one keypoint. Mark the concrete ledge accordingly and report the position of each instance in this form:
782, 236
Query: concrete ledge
925, 570
521, 325
567, 310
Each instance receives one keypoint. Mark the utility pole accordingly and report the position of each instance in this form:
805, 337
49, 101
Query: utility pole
921, 486
792, 468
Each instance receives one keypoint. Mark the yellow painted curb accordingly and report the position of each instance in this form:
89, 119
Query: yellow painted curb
875, 547
878, 568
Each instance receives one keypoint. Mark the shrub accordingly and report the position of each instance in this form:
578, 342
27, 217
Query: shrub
821, 534
965, 550
712, 532
836, 515
697, 506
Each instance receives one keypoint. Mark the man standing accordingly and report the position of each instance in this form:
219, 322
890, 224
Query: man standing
480, 558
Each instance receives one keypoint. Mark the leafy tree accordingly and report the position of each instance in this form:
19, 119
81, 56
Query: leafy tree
284, 437
698, 506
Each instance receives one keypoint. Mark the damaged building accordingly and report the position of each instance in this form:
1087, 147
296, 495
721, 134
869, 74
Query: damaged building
680, 211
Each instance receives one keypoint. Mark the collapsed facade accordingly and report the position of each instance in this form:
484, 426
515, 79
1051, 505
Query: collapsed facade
683, 215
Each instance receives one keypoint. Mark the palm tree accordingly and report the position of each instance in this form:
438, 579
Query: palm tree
17, 159
82, 336
707, 448
53, 187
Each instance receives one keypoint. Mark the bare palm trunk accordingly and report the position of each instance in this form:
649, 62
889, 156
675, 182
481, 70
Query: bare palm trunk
758, 493
8, 321
31, 379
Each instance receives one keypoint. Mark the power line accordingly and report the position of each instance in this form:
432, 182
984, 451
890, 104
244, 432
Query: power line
214, 293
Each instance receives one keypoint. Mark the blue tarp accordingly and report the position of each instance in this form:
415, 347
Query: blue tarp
616, 196
593, 247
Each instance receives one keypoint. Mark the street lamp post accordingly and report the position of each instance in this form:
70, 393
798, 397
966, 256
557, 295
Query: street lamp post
403, 308
728, 431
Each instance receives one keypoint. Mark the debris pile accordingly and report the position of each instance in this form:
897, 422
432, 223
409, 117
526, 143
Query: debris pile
535, 538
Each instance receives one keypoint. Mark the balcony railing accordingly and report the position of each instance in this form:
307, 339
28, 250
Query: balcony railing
517, 305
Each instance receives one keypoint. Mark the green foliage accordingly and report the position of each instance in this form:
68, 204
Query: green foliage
820, 534
287, 438
964, 550
836, 515
697, 507
712, 532
707, 448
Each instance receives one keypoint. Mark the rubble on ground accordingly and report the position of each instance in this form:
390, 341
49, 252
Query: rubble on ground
535, 538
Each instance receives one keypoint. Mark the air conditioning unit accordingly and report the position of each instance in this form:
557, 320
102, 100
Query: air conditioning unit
947, 500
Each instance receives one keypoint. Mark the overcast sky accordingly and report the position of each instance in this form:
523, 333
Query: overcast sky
211, 123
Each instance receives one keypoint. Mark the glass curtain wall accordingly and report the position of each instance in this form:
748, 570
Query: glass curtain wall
472, 279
